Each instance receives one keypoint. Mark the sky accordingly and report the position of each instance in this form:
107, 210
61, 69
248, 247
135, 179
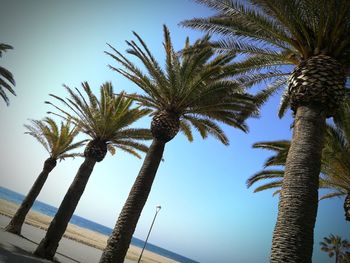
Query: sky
207, 214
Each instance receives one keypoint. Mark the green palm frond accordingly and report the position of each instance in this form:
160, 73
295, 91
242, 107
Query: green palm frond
341, 118
107, 119
129, 150
185, 127
206, 127
284, 104
280, 147
70, 155
195, 84
131, 144
263, 175
4, 48
332, 195
6, 77
58, 141
111, 149
271, 185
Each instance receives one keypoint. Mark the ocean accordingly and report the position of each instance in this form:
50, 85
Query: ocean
49, 210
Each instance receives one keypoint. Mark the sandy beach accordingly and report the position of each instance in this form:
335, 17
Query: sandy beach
78, 245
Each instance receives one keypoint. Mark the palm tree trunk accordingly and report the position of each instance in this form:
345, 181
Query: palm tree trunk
347, 207
16, 223
48, 245
118, 243
293, 235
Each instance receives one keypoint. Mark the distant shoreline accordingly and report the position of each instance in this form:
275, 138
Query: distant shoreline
79, 234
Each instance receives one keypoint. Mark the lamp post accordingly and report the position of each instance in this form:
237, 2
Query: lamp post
158, 207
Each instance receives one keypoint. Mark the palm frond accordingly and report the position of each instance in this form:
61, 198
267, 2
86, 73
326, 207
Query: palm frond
6, 77
185, 127
276, 184
263, 175
331, 195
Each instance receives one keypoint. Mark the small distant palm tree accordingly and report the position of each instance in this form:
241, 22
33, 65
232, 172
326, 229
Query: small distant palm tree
194, 91
58, 142
6, 77
335, 246
335, 162
106, 121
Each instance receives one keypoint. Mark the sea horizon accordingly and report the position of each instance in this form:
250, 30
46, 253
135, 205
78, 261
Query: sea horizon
46, 209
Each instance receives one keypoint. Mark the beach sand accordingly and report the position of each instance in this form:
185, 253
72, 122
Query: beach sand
78, 245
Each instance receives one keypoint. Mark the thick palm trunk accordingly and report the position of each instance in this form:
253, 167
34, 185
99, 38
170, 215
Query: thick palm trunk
293, 235
16, 223
118, 243
48, 245
347, 207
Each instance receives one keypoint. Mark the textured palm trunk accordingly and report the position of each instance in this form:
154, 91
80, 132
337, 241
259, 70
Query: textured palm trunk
293, 235
118, 243
48, 245
16, 223
347, 207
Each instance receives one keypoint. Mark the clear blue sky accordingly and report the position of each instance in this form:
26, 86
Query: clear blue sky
208, 214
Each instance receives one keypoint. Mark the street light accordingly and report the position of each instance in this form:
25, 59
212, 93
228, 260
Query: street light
158, 207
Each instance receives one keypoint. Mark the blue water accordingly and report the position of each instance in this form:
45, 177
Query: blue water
49, 210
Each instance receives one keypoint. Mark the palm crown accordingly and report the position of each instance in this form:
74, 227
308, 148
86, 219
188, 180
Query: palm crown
6, 77
58, 141
274, 33
106, 120
194, 89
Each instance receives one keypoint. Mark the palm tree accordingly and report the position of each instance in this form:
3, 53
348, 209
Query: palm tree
192, 91
274, 36
58, 142
335, 245
6, 77
106, 122
335, 168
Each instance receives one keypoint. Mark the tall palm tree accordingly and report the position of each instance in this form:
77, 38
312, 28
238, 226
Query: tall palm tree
58, 142
335, 246
313, 37
106, 122
6, 77
335, 168
193, 91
